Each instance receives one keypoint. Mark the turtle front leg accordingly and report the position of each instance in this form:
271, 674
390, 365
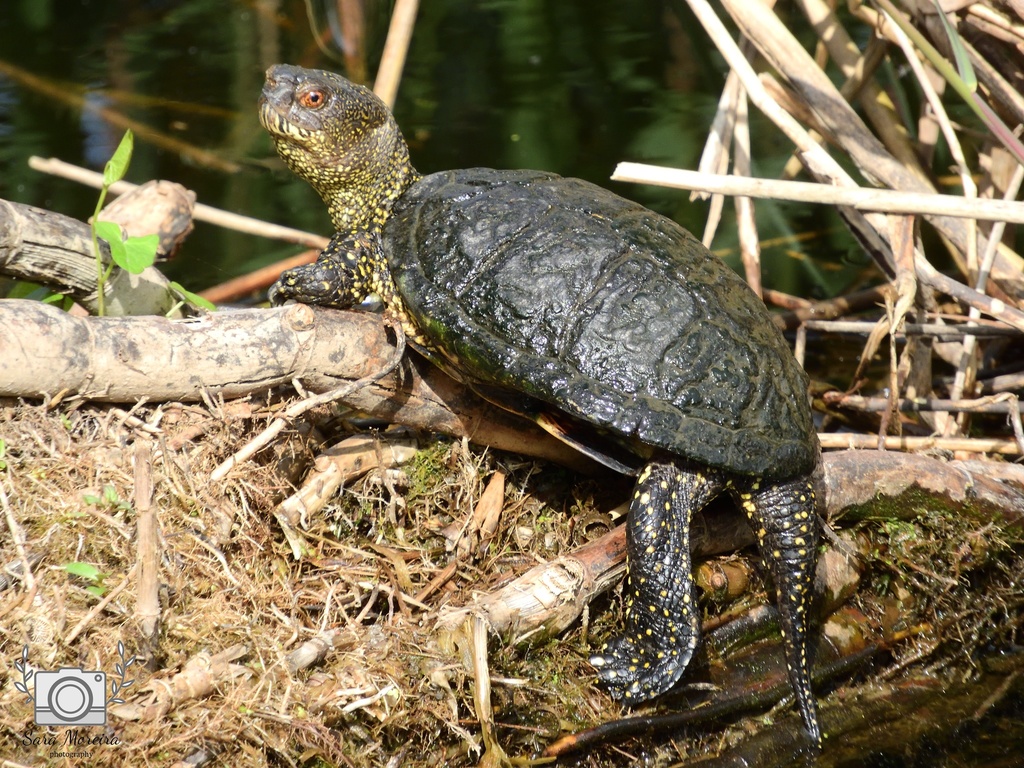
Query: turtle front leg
335, 279
661, 615
784, 518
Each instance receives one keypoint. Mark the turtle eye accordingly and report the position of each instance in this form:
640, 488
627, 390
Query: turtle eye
314, 98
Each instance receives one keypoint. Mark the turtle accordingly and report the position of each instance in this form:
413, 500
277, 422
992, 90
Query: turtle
609, 325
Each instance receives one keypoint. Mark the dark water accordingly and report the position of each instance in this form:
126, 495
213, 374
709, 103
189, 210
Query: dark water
571, 86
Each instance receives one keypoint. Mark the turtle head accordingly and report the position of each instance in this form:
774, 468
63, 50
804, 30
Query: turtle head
340, 138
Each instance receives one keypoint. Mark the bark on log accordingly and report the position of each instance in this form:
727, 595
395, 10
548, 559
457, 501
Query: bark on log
45, 352
163, 208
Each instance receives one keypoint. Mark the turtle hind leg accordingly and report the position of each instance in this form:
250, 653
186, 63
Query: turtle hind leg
661, 614
783, 517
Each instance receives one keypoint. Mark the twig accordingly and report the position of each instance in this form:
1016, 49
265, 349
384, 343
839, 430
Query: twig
746, 221
800, 312
936, 331
297, 409
256, 280
858, 198
715, 157
965, 374
18, 537
859, 67
902, 443
984, 270
200, 212
995, 404
147, 600
403, 18
98, 608
477, 630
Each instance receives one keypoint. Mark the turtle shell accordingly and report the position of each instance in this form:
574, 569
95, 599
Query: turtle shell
562, 291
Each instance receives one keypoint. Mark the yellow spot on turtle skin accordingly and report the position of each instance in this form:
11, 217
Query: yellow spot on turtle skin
802, 553
776, 554
799, 541
645, 498
668, 507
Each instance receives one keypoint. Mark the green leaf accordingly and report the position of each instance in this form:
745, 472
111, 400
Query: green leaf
86, 571
963, 61
133, 254
54, 298
111, 232
117, 166
140, 253
193, 298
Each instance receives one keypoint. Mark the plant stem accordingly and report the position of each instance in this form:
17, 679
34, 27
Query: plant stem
101, 273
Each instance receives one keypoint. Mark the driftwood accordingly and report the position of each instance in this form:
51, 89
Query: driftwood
45, 353
162, 208
54, 250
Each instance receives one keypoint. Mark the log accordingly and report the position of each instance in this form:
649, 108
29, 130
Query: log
56, 251
45, 352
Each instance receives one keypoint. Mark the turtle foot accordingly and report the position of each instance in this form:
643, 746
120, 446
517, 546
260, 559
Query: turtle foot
635, 673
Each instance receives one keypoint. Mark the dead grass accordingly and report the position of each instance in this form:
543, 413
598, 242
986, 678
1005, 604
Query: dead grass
227, 581
221, 685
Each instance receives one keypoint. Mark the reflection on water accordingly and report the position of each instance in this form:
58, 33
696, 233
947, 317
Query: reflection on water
572, 87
